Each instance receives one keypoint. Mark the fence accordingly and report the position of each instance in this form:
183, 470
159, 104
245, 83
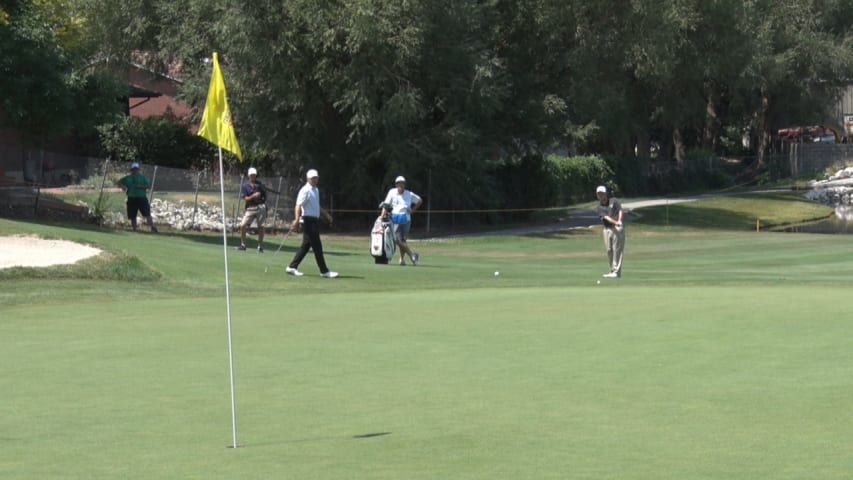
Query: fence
20, 166
190, 199
796, 159
48, 185
38, 183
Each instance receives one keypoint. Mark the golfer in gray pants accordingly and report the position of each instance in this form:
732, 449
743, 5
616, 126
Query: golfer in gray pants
610, 212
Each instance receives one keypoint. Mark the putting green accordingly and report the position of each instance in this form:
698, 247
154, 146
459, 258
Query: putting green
718, 355
674, 382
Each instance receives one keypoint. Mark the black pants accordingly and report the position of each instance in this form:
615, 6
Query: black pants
310, 241
136, 205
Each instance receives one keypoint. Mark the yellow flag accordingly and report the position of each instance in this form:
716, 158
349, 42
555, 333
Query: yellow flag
216, 123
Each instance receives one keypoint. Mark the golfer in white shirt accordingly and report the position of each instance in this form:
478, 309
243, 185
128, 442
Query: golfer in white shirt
308, 209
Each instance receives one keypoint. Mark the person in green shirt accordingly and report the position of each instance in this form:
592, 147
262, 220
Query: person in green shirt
136, 187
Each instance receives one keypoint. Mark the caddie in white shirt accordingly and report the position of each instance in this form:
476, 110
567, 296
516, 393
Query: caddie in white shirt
403, 204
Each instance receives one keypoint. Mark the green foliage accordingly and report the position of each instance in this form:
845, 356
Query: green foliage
687, 179
731, 142
47, 92
100, 202
699, 170
575, 178
155, 140
629, 174
36, 97
638, 176
365, 89
97, 180
525, 183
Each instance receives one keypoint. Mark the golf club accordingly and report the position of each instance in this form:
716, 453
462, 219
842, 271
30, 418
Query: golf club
267, 268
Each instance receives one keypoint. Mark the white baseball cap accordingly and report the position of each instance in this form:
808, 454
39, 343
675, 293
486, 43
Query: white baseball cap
312, 174
253, 171
601, 189
134, 165
400, 179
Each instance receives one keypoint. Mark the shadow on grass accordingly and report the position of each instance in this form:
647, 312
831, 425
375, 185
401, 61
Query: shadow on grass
371, 435
561, 234
360, 436
271, 242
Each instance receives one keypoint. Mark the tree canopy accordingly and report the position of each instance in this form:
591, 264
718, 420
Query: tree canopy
455, 90
47, 89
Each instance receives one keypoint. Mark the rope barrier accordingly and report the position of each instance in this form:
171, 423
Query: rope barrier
487, 210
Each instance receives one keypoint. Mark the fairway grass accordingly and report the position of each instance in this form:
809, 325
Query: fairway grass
718, 355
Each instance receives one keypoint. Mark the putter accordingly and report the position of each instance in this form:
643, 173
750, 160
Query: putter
267, 268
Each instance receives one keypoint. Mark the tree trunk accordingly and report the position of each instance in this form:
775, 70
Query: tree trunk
644, 144
761, 132
665, 152
627, 148
711, 133
680, 148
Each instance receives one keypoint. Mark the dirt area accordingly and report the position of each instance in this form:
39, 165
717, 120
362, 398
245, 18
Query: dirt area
21, 202
21, 251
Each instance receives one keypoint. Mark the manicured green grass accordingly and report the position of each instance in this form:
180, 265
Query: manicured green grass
486, 383
748, 211
718, 355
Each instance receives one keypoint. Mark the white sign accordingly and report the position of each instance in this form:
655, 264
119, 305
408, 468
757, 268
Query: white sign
848, 124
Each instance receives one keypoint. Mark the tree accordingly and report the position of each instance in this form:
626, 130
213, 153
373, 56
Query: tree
801, 57
162, 141
367, 89
47, 92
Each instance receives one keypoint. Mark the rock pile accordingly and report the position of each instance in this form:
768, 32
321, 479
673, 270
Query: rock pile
185, 216
836, 191
832, 196
842, 174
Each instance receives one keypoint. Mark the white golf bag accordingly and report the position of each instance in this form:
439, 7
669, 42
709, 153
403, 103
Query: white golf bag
382, 244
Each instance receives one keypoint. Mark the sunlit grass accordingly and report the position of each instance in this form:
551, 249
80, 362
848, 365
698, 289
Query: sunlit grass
737, 212
720, 354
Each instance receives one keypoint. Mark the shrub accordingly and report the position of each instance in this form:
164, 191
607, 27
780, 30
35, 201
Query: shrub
629, 173
525, 183
575, 178
701, 170
163, 141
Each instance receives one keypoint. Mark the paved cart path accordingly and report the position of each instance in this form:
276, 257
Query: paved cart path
587, 218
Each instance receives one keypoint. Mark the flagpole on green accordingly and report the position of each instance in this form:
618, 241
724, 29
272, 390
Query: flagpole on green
228, 302
217, 127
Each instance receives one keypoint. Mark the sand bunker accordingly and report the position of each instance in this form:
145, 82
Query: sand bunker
22, 251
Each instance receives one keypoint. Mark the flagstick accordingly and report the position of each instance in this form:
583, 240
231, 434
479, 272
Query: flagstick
217, 128
227, 301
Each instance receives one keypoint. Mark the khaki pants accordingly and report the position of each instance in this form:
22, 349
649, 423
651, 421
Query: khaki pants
258, 212
614, 243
